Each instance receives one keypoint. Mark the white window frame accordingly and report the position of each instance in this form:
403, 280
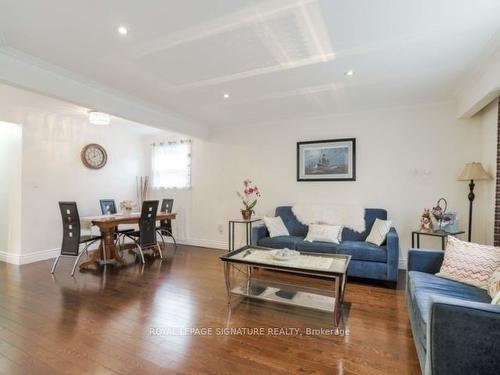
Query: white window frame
171, 164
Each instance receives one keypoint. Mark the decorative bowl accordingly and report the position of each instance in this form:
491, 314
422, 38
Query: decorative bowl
284, 254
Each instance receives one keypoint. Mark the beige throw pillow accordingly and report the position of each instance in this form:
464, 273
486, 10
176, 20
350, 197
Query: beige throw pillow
469, 263
275, 226
379, 232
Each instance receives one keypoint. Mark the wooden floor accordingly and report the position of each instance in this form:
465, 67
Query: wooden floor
101, 322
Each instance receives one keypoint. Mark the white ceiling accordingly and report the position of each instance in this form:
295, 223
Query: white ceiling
19, 106
276, 59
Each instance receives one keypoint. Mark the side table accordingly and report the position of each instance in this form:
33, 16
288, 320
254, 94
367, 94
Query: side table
435, 233
248, 227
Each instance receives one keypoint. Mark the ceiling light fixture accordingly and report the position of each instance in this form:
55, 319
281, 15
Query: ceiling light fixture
349, 73
226, 96
99, 118
122, 30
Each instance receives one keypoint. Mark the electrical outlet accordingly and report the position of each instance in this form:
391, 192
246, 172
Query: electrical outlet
220, 228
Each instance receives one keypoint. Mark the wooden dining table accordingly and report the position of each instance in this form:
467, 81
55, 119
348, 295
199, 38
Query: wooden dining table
107, 225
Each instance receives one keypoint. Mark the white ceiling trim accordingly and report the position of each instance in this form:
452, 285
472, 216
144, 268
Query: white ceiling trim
24, 71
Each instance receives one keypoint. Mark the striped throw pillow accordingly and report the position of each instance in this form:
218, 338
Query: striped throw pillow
494, 287
469, 263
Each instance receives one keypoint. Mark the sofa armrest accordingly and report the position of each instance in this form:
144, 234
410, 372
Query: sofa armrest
258, 233
463, 337
392, 255
428, 261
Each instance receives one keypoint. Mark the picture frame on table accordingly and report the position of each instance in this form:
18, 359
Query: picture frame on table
327, 160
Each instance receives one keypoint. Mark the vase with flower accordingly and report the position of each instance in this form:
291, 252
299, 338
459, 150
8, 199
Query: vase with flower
127, 206
249, 199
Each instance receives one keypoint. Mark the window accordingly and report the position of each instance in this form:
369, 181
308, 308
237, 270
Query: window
171, 165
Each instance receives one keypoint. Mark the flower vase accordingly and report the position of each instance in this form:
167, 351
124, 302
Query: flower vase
246, 214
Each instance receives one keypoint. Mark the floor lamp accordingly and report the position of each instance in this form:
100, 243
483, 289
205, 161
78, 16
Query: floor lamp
472, 172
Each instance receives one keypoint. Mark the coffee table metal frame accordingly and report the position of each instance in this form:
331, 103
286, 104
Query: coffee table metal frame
248, 266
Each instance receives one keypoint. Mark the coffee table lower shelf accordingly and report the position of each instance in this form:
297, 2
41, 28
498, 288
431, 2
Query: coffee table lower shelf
288, 296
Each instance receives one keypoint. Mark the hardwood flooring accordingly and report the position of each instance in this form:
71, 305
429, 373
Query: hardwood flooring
122, 321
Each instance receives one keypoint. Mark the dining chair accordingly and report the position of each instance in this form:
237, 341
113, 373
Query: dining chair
145, 237
108, 207
72, 237
165, 227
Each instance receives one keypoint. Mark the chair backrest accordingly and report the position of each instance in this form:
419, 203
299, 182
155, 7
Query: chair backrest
108, 206
71, 228
166, 206
147, 223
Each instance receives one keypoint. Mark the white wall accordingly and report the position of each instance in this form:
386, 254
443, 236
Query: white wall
10, 189
407, 158
53, 172
54, 133
486, 189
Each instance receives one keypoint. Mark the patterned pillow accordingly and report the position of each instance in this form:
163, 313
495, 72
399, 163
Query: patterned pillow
494, 287
469, 263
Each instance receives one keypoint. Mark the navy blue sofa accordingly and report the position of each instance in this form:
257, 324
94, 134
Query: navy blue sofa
367, 260
455, 328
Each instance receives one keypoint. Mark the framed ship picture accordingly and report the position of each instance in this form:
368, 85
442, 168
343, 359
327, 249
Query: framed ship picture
328, 160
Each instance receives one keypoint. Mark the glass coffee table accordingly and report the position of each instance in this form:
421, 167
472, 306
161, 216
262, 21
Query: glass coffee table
328, 266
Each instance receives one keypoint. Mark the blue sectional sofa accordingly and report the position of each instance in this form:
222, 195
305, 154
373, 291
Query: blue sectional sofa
367, 260
455, 328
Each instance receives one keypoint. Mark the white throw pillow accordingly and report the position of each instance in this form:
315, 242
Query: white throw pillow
379, 232
275, 226
324, 233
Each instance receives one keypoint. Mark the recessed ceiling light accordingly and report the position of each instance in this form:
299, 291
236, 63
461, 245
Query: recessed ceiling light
122, 30
99, 118
349, 73
226, 96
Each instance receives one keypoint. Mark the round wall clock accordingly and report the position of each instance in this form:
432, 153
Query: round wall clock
94, 156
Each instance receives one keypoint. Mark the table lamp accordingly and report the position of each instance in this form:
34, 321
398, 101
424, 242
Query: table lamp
472, 171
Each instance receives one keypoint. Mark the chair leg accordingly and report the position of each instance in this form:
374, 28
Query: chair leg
76, 263
173, 238
55, 264
159, 250
141, 253
103, 252
162, 238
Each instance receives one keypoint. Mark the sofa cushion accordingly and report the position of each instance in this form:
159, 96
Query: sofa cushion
280, 242
421, 286
318, 247
364, 251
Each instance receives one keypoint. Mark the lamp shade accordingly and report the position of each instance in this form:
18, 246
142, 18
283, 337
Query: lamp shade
473, 171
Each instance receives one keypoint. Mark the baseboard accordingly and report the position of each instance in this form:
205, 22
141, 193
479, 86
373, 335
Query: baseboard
36, 256
48, 254
204, 243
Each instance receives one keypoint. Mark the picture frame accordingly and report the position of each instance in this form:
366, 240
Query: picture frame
327, 160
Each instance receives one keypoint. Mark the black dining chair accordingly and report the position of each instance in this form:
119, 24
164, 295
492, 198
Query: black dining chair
145, 237
108, 207
165, 227
72, 237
